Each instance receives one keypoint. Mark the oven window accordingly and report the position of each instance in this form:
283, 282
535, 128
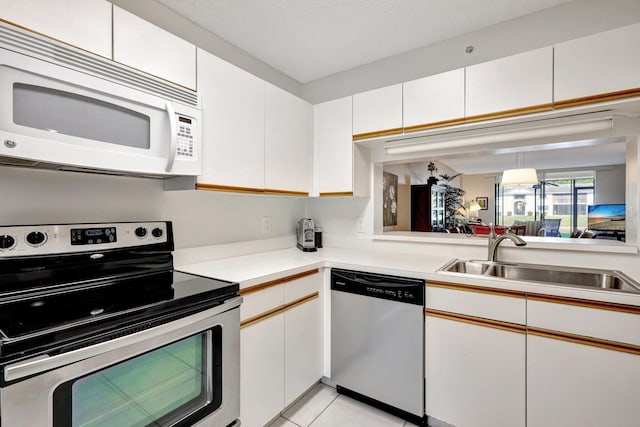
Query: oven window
159, 388
71, 114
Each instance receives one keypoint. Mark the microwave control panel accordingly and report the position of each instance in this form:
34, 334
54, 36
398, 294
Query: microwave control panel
186, 137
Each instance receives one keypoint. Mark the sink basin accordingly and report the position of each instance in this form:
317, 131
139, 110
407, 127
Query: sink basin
569, 276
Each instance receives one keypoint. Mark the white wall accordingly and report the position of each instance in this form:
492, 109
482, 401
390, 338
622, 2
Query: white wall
610, 185
481, 186
200, 217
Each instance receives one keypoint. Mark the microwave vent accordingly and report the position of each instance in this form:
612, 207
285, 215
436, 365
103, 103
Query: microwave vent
12, 161
34, 45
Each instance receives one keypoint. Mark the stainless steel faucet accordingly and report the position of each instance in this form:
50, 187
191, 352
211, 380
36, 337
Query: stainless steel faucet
495, 240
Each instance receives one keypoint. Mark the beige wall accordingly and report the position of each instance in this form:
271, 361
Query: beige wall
610, 185
481, 186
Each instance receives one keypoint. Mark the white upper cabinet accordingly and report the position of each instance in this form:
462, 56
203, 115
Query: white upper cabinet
333, 146
378, 110
232, 124
598, 64
434, 99
146, 47
522, 81
287, 142
82, 23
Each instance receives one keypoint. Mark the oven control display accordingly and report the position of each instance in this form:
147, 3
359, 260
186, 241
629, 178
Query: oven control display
93, 236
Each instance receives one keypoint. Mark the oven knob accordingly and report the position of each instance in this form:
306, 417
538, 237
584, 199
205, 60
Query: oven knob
36, 238
157, 232
7, 242
141, 232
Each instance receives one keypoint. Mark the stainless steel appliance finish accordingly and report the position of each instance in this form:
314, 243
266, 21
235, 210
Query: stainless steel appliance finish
110, 334
567, 276
377, 341
306, 234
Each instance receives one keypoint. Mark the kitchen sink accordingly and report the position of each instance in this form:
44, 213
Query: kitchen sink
569, 276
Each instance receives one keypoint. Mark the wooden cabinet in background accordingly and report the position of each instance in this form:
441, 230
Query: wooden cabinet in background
427, 207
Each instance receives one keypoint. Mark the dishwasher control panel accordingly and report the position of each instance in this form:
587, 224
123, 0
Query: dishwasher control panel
400, 289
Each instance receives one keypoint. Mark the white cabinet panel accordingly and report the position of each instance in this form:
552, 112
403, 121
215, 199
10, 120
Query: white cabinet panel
302, 349
256, 303
287, 141
262, 371
475, 375
378, 110
151, 49
574, 385
503, 308
597, 64
518, 81
589, 322
434, 99
302, 287
333, 146
232, 124
82, 23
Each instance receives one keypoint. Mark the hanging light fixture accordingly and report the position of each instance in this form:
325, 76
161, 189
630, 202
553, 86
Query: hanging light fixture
519, 175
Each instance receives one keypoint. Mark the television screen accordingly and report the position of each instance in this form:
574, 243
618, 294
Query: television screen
606, 217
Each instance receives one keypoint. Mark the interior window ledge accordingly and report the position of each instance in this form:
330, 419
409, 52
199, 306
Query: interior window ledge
579, 245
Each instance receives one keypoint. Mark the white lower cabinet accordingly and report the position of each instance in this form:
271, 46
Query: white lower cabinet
475, 375
576, 385
474, 357
302, 349
261, 371
280, 345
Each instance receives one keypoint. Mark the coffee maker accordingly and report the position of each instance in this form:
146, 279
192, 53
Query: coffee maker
306, 234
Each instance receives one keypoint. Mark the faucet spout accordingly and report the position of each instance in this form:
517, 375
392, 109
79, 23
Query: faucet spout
495, 240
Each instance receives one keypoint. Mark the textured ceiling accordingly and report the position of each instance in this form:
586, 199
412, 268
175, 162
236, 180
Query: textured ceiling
311, 39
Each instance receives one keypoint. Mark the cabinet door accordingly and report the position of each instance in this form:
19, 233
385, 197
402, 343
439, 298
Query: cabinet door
151, 49
287, 142
232, 124
433, 100
597, 65
576, 385
333, 146
520, 82
378, 111
82, 23
262, 371
302, 348
475, 375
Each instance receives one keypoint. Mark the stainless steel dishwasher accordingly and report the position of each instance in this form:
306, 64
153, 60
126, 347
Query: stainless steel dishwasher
377, 341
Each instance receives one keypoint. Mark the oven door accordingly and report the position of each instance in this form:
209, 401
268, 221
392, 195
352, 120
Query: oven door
182, 373
53, 114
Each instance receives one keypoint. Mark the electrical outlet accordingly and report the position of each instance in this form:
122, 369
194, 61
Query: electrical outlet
266, 224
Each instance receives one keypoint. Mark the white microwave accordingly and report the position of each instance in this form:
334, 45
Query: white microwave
66, 109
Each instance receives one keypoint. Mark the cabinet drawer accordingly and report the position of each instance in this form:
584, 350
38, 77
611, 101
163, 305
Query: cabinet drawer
302, 287
260, 302
488, 304
585, 321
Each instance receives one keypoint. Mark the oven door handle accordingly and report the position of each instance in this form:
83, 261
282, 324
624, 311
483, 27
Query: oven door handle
45, 363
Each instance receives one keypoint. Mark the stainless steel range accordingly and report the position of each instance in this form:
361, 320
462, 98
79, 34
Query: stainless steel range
96, 329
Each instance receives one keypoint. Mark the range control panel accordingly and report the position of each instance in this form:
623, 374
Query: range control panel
25, 240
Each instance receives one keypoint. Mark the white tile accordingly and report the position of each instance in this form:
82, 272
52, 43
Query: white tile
307, 409
281, 422
348, 412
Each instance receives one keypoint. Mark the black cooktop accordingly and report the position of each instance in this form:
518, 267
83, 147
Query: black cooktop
66, 297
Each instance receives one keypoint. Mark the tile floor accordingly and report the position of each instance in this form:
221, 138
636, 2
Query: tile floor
322, 406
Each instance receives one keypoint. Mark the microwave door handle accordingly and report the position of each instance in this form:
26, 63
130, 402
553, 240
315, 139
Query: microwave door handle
173, 131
